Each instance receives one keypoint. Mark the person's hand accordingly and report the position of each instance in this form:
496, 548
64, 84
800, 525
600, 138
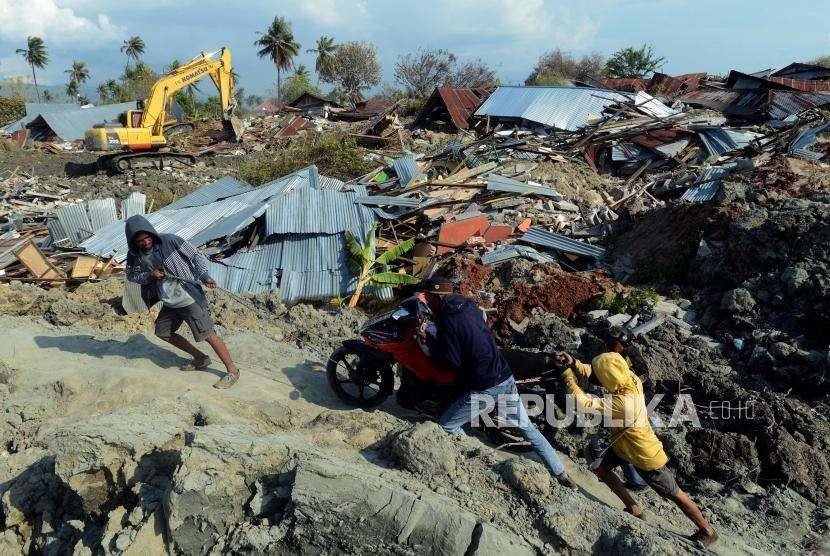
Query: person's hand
210, 282
157, 274
563, 360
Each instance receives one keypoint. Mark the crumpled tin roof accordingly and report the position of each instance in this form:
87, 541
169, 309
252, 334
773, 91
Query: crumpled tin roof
564, 108
71, 125
34, 109
304, 253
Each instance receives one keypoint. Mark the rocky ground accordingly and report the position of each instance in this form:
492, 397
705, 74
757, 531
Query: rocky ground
109, 448
112, 449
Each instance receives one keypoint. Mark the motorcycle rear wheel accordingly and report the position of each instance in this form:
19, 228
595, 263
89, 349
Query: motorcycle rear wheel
359, 379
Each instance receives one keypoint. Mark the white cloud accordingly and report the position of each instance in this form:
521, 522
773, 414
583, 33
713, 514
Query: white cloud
523, 21
333, 12
14, 66
54, 24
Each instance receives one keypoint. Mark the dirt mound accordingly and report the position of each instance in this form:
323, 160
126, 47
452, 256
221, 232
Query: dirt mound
661, 243
557, 292
571, 179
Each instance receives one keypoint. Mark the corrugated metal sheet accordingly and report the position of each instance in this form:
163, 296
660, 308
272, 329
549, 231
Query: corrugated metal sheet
407, 169
101, 213
718, 140
652, 106
501, 183
708, 187
71, 125
317, 211
220, 189
806, 138
565, 108
34, 109
75, 222
540, 236
388, 201
136, 203
56, 231
507, 252
784, 103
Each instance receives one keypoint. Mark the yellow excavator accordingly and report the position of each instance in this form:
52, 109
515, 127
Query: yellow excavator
142, 139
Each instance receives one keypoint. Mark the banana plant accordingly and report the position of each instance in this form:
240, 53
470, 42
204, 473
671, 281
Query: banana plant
373, 270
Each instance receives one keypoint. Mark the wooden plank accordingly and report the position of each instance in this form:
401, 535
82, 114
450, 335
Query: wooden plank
84, 267
35, 261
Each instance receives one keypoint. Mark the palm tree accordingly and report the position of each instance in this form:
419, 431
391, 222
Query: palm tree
78, 73
103, 92
133, 48
324, 63
301, 71
278, 44
35, 55
47, 96
72, 90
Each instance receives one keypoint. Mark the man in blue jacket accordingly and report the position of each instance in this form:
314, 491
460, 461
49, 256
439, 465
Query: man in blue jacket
465, 343
171, 270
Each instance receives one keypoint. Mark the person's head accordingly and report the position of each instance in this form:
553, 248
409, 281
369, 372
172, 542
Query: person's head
143, 240
616, 339
436, 289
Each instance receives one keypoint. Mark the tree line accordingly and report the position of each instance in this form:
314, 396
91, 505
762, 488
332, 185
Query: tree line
349, 68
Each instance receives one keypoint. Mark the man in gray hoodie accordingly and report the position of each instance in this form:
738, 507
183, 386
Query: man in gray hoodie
171, 270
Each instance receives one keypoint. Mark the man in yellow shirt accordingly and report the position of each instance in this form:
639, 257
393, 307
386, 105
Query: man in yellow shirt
632, 438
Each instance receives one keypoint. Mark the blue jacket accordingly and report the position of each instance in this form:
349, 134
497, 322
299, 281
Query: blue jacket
180, 259
466, 344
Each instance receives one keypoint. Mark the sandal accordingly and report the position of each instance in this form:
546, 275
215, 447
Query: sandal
227, 381
196, 364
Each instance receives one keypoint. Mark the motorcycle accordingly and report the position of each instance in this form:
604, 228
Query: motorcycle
362, 371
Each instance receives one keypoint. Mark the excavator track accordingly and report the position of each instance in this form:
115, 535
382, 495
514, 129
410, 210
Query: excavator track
123, 162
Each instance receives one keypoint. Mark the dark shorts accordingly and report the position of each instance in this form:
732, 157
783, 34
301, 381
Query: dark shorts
661, 479
196, 317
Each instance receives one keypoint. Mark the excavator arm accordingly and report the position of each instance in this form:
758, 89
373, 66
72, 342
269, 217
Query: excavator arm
220, 72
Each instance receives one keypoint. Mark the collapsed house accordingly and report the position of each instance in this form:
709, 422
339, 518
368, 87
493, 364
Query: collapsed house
450, 109
66, 122
287, 234
315, 104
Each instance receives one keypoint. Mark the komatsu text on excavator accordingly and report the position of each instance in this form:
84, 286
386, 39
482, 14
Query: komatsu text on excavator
142, 139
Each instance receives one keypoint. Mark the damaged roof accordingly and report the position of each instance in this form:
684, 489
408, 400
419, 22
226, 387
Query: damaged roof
71, 125
564, 108
302, 217
458, 104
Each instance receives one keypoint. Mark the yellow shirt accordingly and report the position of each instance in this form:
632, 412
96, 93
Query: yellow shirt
632, 437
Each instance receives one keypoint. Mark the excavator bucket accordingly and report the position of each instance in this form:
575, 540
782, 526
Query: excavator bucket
234, 128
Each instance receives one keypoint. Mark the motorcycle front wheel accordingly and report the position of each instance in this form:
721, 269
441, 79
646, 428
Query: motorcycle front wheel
359, 379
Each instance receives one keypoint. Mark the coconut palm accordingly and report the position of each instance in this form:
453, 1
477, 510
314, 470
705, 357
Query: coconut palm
36, 56
278, 44
72, 90
78, 73
133, 48
47, 96
324, 64
103, 92
301, 71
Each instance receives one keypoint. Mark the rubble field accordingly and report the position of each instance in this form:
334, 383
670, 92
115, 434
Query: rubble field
701, 229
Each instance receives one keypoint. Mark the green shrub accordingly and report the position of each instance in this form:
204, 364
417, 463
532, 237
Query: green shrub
11, 109
335, 156
628, 302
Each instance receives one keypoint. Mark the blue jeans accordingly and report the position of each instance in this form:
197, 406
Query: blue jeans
474, 403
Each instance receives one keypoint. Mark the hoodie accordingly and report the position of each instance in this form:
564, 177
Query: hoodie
180, 258
467, 345
632, 437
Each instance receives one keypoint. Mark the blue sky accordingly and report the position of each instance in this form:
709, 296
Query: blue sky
700, 35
